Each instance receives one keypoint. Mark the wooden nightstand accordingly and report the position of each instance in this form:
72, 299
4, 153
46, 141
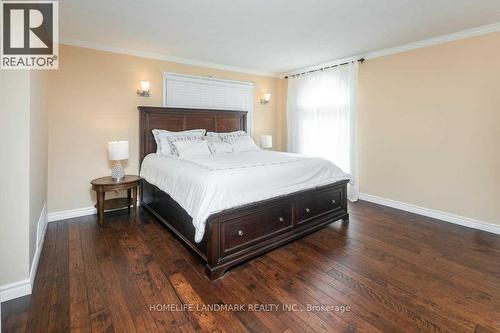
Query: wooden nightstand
107, 184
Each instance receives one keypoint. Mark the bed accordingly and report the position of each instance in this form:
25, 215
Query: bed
223, 225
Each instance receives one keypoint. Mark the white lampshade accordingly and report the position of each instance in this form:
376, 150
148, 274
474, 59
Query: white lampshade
118, 150
145, 85
266, 141
267, 97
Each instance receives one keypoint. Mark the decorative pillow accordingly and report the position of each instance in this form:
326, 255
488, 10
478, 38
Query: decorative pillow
159, 134
220, 147
227, 135
243, 143
215, 138
191, 148
171, 140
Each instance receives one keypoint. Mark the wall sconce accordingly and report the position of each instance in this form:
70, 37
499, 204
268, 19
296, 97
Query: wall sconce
265, 99
144, 91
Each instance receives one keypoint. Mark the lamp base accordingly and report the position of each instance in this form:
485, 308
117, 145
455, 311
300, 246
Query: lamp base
118, 172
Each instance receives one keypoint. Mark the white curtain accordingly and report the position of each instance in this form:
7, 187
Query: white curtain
321, 109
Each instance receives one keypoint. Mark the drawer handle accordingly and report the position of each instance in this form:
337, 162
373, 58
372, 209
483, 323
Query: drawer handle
307, 210
281, 219
240, 233
333, 201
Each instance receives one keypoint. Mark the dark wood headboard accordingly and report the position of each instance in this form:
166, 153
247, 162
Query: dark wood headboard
177, 119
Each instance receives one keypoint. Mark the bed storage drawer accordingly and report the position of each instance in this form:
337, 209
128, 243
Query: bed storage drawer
320, 203
244, 231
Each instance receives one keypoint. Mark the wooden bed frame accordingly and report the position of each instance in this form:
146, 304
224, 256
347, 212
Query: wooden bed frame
236, 234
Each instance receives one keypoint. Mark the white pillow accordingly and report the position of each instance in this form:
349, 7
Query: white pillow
159, 134
191, 148
220, 147
243, 143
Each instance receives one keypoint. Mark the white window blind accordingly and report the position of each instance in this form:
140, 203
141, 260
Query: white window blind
186, 91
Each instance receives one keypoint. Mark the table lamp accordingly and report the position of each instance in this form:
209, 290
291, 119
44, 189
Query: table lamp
117, 151
266, 141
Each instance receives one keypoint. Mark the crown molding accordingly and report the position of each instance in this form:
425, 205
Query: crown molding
158, 56
482, 30
323, 65
495, 27
485, 29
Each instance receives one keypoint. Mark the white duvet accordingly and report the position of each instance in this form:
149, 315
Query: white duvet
206, 184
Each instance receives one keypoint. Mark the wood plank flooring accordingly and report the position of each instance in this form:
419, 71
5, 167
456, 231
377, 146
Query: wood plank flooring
387, 271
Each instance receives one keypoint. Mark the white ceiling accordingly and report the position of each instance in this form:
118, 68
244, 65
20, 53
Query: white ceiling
273, 36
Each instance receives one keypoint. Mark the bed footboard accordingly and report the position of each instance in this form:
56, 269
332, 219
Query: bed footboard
241, 233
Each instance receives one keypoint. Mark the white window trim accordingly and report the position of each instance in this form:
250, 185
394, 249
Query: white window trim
204, 79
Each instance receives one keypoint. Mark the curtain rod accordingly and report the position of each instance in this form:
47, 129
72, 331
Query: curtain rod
323, 68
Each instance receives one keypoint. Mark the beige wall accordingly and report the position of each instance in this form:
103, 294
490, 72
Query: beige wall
23, 173
38, 155
428, 122
92, 100
429, 127
14, 175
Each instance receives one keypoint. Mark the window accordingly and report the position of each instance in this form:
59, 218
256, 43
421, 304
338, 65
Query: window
321, 109
197, 92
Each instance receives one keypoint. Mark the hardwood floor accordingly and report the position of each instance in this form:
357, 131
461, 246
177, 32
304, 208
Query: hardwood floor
396, 272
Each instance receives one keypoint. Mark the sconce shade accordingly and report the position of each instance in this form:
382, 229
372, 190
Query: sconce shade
117, 150
145, 85
266, 98
266, 141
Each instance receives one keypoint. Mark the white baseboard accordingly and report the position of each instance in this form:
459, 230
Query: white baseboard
15, 290
69, 214
24, 287
447, 217
42, 229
